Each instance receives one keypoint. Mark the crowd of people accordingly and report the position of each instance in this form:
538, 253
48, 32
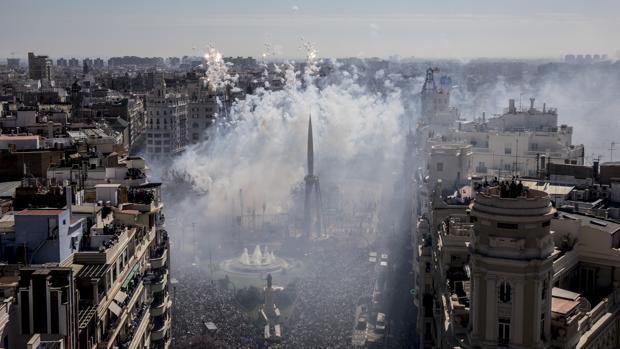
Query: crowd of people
198, 301
323, 314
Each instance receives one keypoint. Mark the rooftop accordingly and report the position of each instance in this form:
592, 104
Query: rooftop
18, 137
107, 185
564, 302
600, 224
40, 212
548, 188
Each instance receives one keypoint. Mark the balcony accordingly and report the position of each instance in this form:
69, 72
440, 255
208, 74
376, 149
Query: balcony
160, 219
159, 329
159, 255
163, 343
126, 306
136, 328
157, 281
159, 262
564, 264
159, 305
482, 169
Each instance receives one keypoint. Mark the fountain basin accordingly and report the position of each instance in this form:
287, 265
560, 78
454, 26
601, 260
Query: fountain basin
259, 262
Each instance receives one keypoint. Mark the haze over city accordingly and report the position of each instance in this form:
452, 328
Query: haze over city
447, 29
309, 174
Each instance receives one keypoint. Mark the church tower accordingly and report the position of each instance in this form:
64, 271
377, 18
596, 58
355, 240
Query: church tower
512, 268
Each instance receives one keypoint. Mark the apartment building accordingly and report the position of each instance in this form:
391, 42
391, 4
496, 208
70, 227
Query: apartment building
166, 121
519, 143
503, 262
86, 258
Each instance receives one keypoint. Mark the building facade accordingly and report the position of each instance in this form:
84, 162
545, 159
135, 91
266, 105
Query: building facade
166, 121
39, 67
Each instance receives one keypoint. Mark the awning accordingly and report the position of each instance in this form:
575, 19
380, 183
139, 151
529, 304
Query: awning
115, 308
120, 297
210, 326
278, 332
267, 335
133, 271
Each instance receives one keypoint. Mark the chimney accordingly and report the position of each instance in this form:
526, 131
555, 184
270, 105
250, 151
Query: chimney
532, 103
484, 117
511, 106
544, 108
543, 166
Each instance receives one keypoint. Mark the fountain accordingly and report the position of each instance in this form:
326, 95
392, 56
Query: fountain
260, 261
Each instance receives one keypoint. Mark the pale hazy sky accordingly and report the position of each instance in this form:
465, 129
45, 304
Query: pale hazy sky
429, 28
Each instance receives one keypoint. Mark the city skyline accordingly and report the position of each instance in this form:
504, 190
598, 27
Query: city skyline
345, 29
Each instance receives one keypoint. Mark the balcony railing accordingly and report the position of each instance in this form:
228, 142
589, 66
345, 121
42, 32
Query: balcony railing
115, 323
137, 325
156, 281
159, 305
160, 327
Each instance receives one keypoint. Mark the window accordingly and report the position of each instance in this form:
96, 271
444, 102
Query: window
508, 225
587, 279
52, 232
542, 326
440, 166
507, 149
543, 292
505, 292
503, 331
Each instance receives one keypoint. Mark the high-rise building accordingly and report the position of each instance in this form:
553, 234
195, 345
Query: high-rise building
203, 108
98, 63
12, 63
61, 62
166, 120
74, 63
39, 67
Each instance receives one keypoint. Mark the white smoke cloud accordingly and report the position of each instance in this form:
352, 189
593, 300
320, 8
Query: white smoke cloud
261, 148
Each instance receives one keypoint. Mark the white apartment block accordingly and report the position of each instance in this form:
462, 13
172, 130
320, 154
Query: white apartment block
518, 142
166, 121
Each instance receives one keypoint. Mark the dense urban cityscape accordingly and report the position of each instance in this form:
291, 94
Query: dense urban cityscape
208, 200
